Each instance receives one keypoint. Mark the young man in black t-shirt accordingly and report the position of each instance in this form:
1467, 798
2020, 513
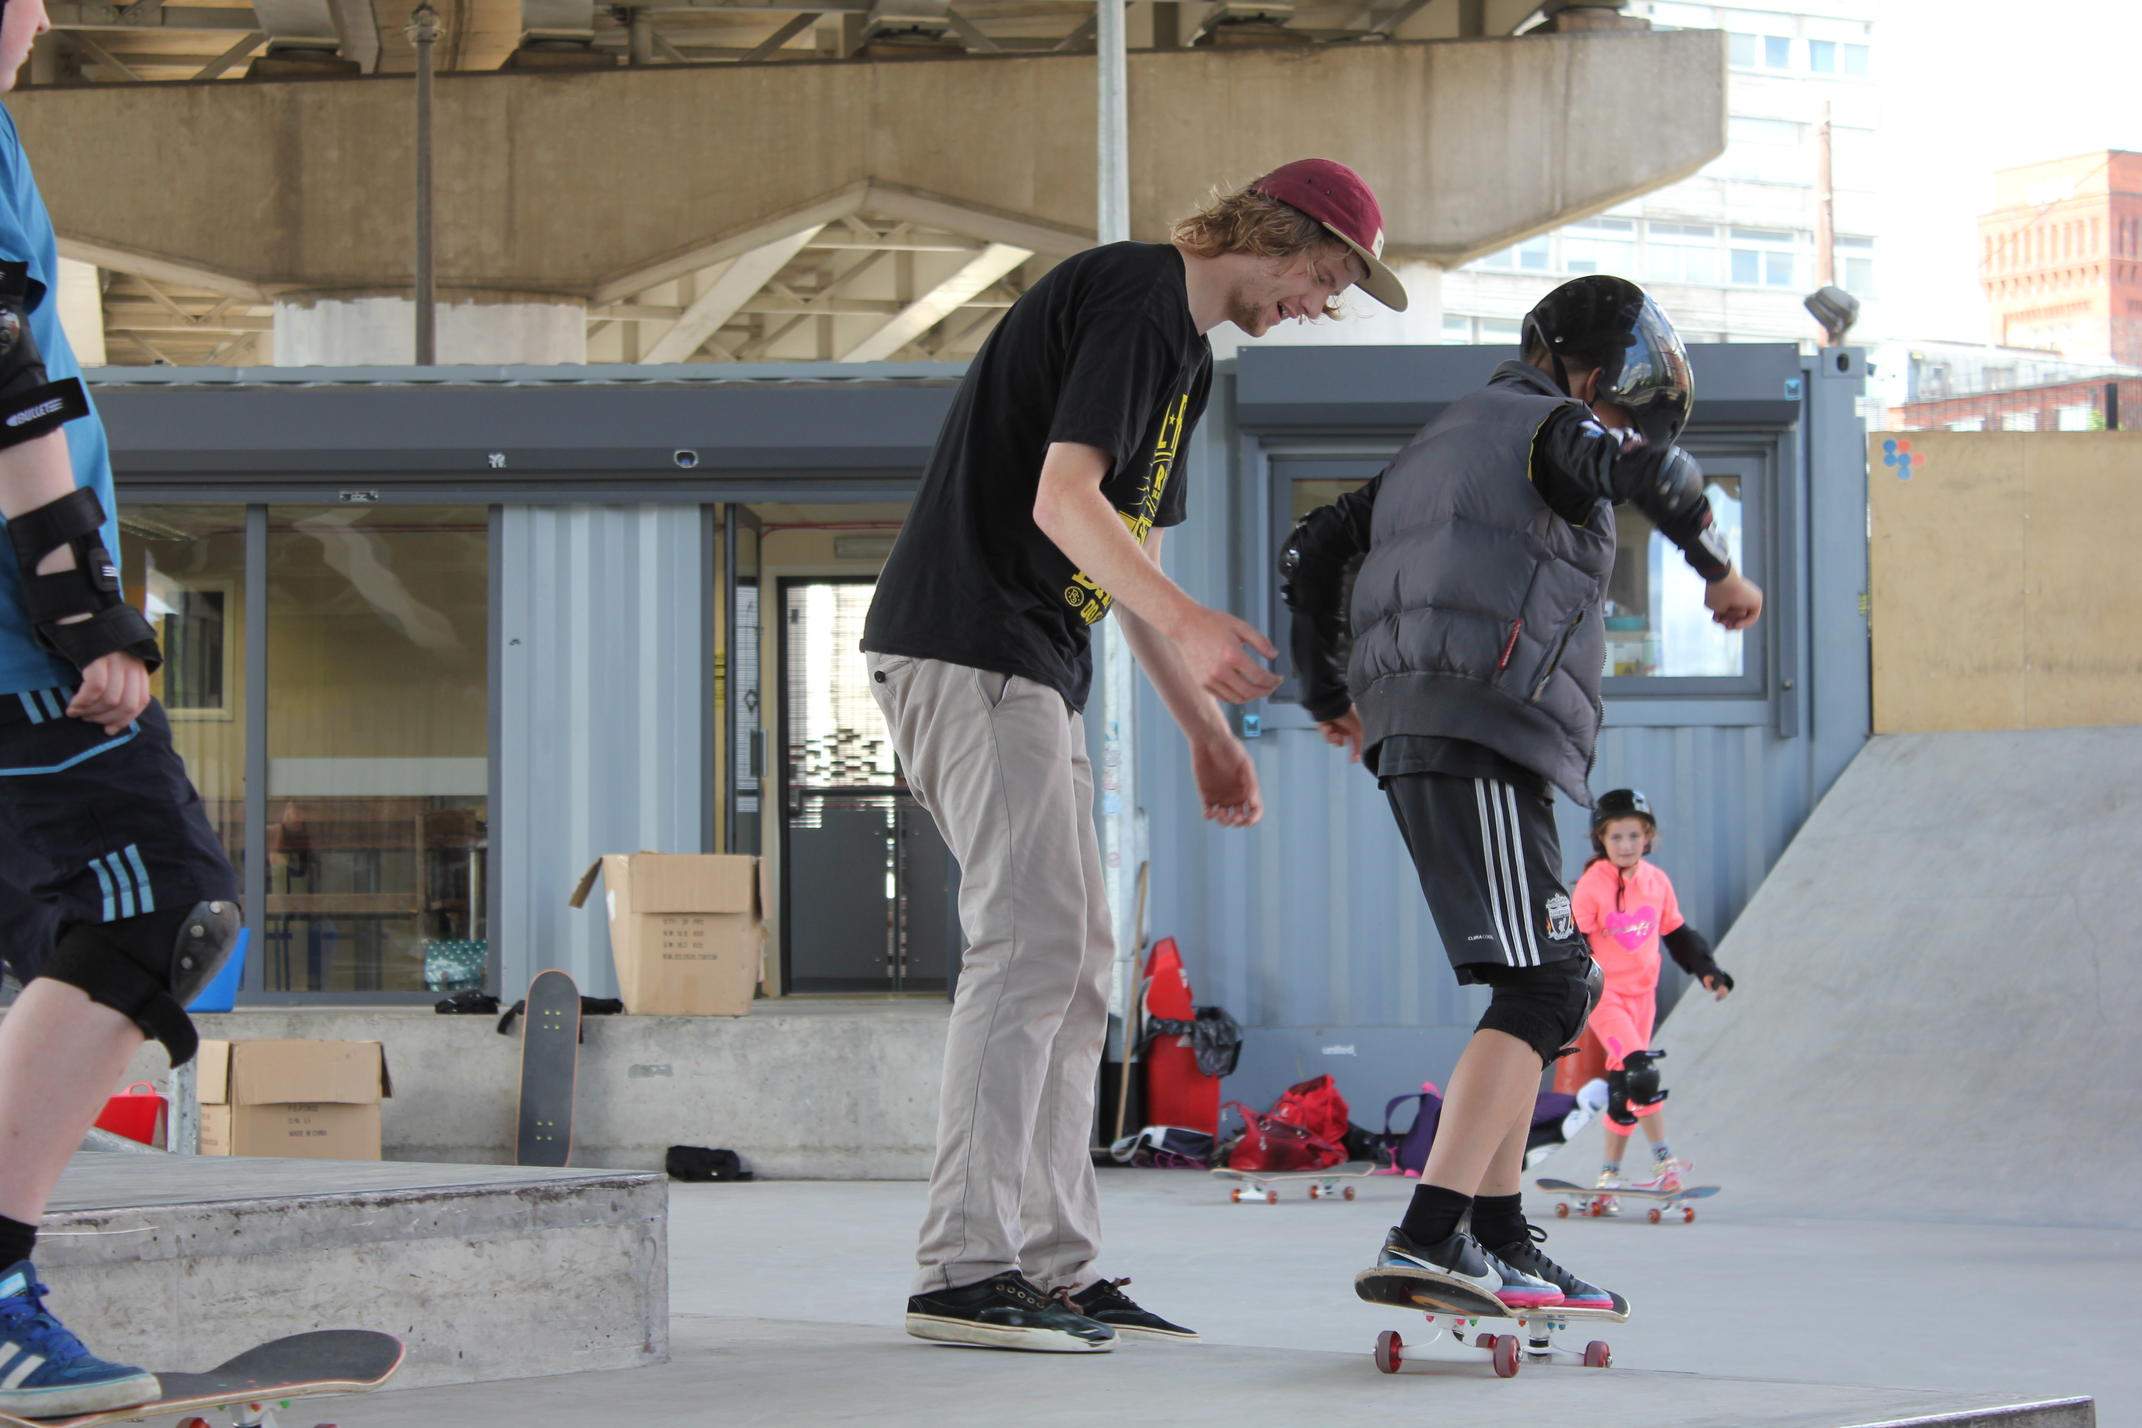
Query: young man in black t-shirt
1057, 471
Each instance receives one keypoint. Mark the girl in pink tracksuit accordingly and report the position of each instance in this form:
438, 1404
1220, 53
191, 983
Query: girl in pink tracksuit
1626, 908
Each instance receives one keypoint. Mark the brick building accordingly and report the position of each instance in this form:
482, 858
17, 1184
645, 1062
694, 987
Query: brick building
2061, 256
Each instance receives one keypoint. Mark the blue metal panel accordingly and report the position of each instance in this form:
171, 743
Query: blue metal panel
604, 677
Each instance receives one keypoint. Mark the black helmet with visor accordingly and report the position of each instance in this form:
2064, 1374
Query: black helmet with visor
1612, 324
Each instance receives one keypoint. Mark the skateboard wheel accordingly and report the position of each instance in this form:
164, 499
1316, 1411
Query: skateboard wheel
1316, 1192
1347, 1192
1485, 1341
1271, 1197
1656, 1216
1235, 1195
1688, 1214
1597, 1354
1506, 1356
194, 1423
1561, 1210
1388, 1345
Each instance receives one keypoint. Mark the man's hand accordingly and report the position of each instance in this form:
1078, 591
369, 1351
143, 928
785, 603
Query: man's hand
1226, 781
115, 689
1210, 643
1344, 732
1734, 601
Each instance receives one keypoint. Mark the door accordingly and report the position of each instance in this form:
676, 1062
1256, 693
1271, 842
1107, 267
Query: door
867, 882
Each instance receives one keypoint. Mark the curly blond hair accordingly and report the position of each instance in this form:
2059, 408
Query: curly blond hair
1249, 222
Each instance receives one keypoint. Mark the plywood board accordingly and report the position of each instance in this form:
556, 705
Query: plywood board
1997, 585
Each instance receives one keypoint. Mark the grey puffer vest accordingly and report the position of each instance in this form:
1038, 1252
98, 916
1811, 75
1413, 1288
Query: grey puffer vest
1476, 614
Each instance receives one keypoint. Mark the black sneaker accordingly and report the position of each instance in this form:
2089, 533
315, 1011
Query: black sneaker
1007, 1313
1104, 1302
1525, 1256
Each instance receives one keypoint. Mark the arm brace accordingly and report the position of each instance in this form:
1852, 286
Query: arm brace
1691, 951
1576, 462
91, 588
1315, 569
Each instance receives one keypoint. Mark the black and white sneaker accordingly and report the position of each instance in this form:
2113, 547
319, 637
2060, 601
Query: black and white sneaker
1460, 1257
1526, 1256
1007, 1312
1104, 1302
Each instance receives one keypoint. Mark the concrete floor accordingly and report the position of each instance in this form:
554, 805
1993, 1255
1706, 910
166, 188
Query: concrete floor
786, 1300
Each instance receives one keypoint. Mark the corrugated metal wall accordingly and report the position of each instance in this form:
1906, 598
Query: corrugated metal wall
604, 688
1311, 928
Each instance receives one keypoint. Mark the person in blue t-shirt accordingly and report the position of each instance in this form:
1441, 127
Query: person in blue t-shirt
117, 904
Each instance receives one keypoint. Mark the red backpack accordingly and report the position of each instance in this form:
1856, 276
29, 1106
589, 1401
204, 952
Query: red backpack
1304, 1130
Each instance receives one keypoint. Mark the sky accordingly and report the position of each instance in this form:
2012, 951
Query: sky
1970, 86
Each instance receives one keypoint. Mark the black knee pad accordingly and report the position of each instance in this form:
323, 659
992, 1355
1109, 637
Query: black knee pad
1635, 1084
1545, 1006
147, 968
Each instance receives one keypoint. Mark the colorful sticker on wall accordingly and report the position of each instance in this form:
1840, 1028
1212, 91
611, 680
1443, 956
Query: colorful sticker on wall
1897, 452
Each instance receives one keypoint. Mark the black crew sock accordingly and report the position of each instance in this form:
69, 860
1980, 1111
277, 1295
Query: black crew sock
1498, 1220
1434, 1213
17, 1240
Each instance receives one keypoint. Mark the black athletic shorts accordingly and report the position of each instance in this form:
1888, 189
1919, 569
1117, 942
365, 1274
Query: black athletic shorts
1490, 864
94, 827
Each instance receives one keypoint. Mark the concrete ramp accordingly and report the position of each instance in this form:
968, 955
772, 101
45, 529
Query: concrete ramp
1940, 991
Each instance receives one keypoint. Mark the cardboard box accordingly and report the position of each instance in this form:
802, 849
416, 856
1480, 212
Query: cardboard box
686, 929
312, 1100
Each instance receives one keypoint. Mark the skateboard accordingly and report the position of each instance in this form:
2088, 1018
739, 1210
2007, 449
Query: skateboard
249, 1387
1259, 1187
1462, 1310
1587, 1199
550, 1064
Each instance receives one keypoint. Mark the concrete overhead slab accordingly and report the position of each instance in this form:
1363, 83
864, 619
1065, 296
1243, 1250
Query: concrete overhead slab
603, 183
1938, 992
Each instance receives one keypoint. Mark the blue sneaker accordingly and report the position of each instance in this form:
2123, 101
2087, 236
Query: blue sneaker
44, 1370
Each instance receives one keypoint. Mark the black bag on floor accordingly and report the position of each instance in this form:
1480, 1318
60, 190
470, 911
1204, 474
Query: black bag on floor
697, 1163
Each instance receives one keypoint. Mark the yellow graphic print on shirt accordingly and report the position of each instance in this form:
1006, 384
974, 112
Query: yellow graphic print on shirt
1089, 599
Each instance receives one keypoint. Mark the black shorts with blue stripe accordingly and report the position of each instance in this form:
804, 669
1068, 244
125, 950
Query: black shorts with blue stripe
94, 827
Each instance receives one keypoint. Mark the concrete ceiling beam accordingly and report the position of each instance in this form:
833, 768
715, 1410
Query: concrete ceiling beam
83, 15
601, 185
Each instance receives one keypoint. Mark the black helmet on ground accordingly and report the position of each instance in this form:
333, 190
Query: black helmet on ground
1610, 323
1621, 803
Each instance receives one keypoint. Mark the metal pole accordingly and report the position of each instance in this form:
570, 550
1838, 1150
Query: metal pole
1120, 840
423, 31
1825, 212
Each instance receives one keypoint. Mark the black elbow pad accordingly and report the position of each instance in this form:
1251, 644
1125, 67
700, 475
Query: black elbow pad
30, 403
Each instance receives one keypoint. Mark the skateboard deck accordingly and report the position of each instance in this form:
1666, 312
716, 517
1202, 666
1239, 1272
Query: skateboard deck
550, 1066
1260, 1186
1459, 1311
1585, 1199
248, 1386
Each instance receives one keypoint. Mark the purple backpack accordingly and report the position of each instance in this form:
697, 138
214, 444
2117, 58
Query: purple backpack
1409, 1147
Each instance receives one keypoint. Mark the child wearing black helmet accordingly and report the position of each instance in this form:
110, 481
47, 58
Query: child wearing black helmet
1477, 563
1626, 909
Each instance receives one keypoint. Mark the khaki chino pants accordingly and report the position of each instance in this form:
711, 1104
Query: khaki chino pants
1000, 762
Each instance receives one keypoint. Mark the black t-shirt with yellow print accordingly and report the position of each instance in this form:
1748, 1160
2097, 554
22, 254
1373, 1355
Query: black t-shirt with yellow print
1102, 352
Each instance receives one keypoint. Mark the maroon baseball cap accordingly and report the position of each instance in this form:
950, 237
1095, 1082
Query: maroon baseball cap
1335, 196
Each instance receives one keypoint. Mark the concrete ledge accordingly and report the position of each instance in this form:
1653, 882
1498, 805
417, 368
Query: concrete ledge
182, 1261
840, 1089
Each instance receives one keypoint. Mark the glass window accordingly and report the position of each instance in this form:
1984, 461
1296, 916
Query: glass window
1747, 266
1859, 276
1977, 423
1532, 254
1457, 329
2020, 421
378, 748
2081, 416
184, 567
1822, 56
1656, 624
1777, 52
1778, 270
1740, 51
1501, 329
1855, 61
1599, 255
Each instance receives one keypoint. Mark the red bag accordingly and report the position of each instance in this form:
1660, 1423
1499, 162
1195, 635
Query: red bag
1304, 1130
136, 1113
